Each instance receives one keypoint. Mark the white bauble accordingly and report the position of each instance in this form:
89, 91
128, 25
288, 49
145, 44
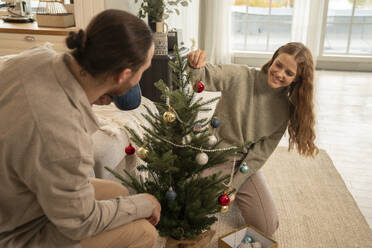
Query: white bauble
212, 140
202, 158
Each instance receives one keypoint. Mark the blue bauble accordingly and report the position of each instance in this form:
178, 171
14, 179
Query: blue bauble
215, 123
248, 239
244, 168
171, 195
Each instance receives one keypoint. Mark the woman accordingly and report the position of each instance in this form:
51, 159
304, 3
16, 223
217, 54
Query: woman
258, 106
47, 198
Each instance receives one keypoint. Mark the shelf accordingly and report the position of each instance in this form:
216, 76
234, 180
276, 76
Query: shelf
32, 28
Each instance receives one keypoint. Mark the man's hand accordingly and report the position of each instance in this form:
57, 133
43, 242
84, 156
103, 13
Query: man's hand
196, 59
156, 209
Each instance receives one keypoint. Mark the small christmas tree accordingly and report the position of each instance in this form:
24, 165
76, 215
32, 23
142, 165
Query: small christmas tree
177, 150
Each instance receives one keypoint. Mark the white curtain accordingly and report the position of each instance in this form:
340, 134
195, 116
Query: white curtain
307, 23
187, 21
214, 30
85, 10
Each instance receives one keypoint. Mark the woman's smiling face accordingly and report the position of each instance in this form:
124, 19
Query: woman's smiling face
282, 72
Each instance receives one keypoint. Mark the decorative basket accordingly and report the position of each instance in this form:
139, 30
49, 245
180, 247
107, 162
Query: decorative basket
200, 241
52, 13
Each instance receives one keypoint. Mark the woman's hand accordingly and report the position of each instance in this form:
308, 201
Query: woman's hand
196, 59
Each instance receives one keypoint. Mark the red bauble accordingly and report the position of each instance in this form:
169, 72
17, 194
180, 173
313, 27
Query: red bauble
130, 150
199, 86
224, 200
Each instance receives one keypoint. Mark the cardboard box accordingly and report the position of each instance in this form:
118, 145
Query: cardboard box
56, 21
234, 238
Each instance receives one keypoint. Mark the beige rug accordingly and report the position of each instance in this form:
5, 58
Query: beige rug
315, 208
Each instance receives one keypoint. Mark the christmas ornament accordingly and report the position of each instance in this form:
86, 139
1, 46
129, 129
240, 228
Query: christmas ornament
171, 195
215, 123
224, 209
197, 127
224, 200
212, 140
199, 86
248, 239
130, 150
244, 168
202, 158
169, 117
142, 152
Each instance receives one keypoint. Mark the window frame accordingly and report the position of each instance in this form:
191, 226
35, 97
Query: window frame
267, 23
351, 62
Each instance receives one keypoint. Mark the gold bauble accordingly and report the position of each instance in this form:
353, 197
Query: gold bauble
142, 152
169, 117
224, 209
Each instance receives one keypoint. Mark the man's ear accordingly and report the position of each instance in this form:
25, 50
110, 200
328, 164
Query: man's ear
124, 75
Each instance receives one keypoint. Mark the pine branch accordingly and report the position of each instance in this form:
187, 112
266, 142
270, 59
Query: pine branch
133, 184
134, 136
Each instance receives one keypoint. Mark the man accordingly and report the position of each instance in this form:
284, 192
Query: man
46, 196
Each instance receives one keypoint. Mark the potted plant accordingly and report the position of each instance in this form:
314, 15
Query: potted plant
159, 10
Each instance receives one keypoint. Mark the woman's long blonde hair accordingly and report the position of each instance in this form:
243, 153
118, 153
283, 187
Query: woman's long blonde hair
301, 120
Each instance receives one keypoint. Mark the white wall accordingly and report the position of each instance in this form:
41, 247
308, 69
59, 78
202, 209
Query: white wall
85, 10
127, 5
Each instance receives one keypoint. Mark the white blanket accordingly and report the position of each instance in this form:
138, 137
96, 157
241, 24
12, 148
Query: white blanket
112, 138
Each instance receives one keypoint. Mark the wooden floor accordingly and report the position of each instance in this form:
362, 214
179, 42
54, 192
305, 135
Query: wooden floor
343, 107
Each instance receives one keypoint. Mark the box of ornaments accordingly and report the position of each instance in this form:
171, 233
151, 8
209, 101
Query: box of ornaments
246, 237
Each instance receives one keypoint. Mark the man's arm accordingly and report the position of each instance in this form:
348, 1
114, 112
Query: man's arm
67, 199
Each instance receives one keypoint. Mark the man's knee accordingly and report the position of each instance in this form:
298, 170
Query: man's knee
119, 190
150, 234
106, 189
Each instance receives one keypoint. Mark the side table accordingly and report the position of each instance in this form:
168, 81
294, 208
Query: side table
159, 69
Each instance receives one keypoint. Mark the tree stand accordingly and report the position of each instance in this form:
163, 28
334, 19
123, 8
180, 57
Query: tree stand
200, 241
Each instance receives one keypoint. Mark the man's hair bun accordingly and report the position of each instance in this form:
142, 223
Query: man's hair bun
76, 40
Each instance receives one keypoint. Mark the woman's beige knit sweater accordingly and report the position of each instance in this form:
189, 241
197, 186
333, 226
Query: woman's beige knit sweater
249, 110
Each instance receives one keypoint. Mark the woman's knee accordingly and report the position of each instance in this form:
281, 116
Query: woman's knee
263, 219
257, 206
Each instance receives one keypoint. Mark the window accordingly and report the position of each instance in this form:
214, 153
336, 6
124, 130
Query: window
348, 28
261, 25
338, 32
